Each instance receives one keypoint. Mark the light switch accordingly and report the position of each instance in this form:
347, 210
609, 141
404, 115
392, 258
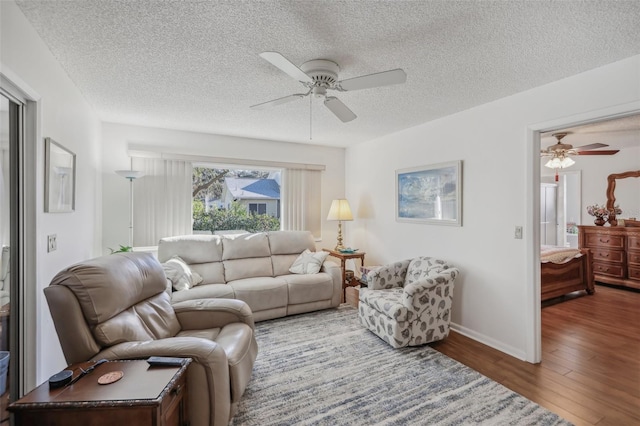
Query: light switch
518, 233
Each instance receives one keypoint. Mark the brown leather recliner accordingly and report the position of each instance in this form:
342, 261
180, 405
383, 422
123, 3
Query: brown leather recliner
117, 307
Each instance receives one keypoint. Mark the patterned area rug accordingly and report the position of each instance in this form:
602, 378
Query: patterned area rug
324, 368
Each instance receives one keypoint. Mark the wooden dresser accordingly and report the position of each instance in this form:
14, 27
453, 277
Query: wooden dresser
616, 253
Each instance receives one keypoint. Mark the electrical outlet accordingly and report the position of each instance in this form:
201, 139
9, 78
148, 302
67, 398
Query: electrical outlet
52, 244
518, 233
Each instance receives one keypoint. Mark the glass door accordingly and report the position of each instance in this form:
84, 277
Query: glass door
8, 134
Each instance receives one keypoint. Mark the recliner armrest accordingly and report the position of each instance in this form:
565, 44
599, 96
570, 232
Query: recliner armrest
201, 351
201, 314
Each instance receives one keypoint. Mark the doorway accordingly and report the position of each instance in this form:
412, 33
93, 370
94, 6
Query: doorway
18, 126
593, 118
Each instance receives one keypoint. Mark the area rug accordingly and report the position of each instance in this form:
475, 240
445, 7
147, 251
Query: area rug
324, 368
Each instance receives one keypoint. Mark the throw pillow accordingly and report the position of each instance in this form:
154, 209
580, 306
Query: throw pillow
309, 262
180, 275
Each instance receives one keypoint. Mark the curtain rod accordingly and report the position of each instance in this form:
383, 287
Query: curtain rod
146, 151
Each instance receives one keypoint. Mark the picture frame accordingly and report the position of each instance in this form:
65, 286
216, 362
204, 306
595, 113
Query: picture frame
430, 194
59, 177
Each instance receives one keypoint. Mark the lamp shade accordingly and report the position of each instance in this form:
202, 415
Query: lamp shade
340, 210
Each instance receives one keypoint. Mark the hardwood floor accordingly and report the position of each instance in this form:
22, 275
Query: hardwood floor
590, 369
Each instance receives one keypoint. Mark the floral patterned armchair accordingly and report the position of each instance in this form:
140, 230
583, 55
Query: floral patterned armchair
408, 303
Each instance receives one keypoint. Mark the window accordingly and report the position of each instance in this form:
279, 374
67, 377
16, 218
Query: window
255, 208
226, 199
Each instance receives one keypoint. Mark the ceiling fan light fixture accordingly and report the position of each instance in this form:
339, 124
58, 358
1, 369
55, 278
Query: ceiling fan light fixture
566, 162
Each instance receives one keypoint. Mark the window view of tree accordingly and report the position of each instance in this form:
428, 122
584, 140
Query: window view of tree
235, 200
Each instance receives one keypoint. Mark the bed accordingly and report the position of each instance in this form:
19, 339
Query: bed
564, 270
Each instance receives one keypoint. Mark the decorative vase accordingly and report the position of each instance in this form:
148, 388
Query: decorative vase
599, 221
612, 220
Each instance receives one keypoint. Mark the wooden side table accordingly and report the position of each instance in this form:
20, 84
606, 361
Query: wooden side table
343, 260
155, 396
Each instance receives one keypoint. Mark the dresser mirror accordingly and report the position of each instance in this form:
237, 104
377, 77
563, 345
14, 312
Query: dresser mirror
629, 183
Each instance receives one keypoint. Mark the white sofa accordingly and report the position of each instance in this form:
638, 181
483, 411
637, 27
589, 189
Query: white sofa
254, 268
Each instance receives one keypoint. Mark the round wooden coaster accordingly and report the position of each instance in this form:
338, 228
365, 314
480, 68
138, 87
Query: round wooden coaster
108, 378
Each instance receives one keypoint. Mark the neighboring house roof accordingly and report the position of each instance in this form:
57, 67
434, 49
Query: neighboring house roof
242, 188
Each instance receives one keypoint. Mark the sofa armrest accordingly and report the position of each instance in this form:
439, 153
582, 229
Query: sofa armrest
201, 314
388, 276
439, 285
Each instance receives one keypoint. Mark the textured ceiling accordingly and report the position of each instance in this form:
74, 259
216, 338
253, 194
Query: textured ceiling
194, 65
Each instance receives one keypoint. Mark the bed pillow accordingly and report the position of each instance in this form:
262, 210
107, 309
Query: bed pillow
309, 262
180, 275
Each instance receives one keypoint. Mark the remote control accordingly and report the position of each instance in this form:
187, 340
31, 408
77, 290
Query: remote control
165, 361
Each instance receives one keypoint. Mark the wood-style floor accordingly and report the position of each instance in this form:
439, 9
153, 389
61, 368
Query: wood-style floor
590, 369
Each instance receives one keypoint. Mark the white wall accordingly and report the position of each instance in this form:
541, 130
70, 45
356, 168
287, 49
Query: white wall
490, 300
116, 190
64, 116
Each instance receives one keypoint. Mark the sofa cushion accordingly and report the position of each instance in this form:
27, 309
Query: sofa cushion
211, 273
308, 262
245, 246
261, 293
290, 242
191, 248
238, 269
180, 274
282, 262
208, 291
309, 288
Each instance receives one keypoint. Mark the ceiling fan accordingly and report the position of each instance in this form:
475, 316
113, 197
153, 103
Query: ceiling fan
560, 152
320, 75
564, 149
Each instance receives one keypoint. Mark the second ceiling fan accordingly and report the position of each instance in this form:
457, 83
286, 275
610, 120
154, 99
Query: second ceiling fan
320, 75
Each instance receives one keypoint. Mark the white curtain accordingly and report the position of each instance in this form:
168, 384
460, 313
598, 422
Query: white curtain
301, 200
162, 200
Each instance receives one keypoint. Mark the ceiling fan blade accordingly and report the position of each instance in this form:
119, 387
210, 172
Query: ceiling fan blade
590, 146
278, 101
340, 110
601, 152
286, 66
384, 78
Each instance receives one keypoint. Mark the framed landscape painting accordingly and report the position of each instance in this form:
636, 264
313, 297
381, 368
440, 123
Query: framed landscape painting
60, 178
430, 194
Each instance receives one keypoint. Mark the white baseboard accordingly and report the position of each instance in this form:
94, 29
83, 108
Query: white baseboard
486, 340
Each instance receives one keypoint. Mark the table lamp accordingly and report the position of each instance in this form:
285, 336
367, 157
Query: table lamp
340, 211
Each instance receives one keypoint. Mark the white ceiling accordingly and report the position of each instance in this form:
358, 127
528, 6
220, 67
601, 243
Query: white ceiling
194, 65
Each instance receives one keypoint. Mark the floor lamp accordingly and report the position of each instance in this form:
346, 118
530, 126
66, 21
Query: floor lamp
131, 175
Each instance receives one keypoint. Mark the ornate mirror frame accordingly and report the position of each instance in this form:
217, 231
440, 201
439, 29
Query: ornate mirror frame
611, 185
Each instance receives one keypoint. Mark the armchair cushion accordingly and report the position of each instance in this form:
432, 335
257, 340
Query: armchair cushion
387, 301
388, 276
